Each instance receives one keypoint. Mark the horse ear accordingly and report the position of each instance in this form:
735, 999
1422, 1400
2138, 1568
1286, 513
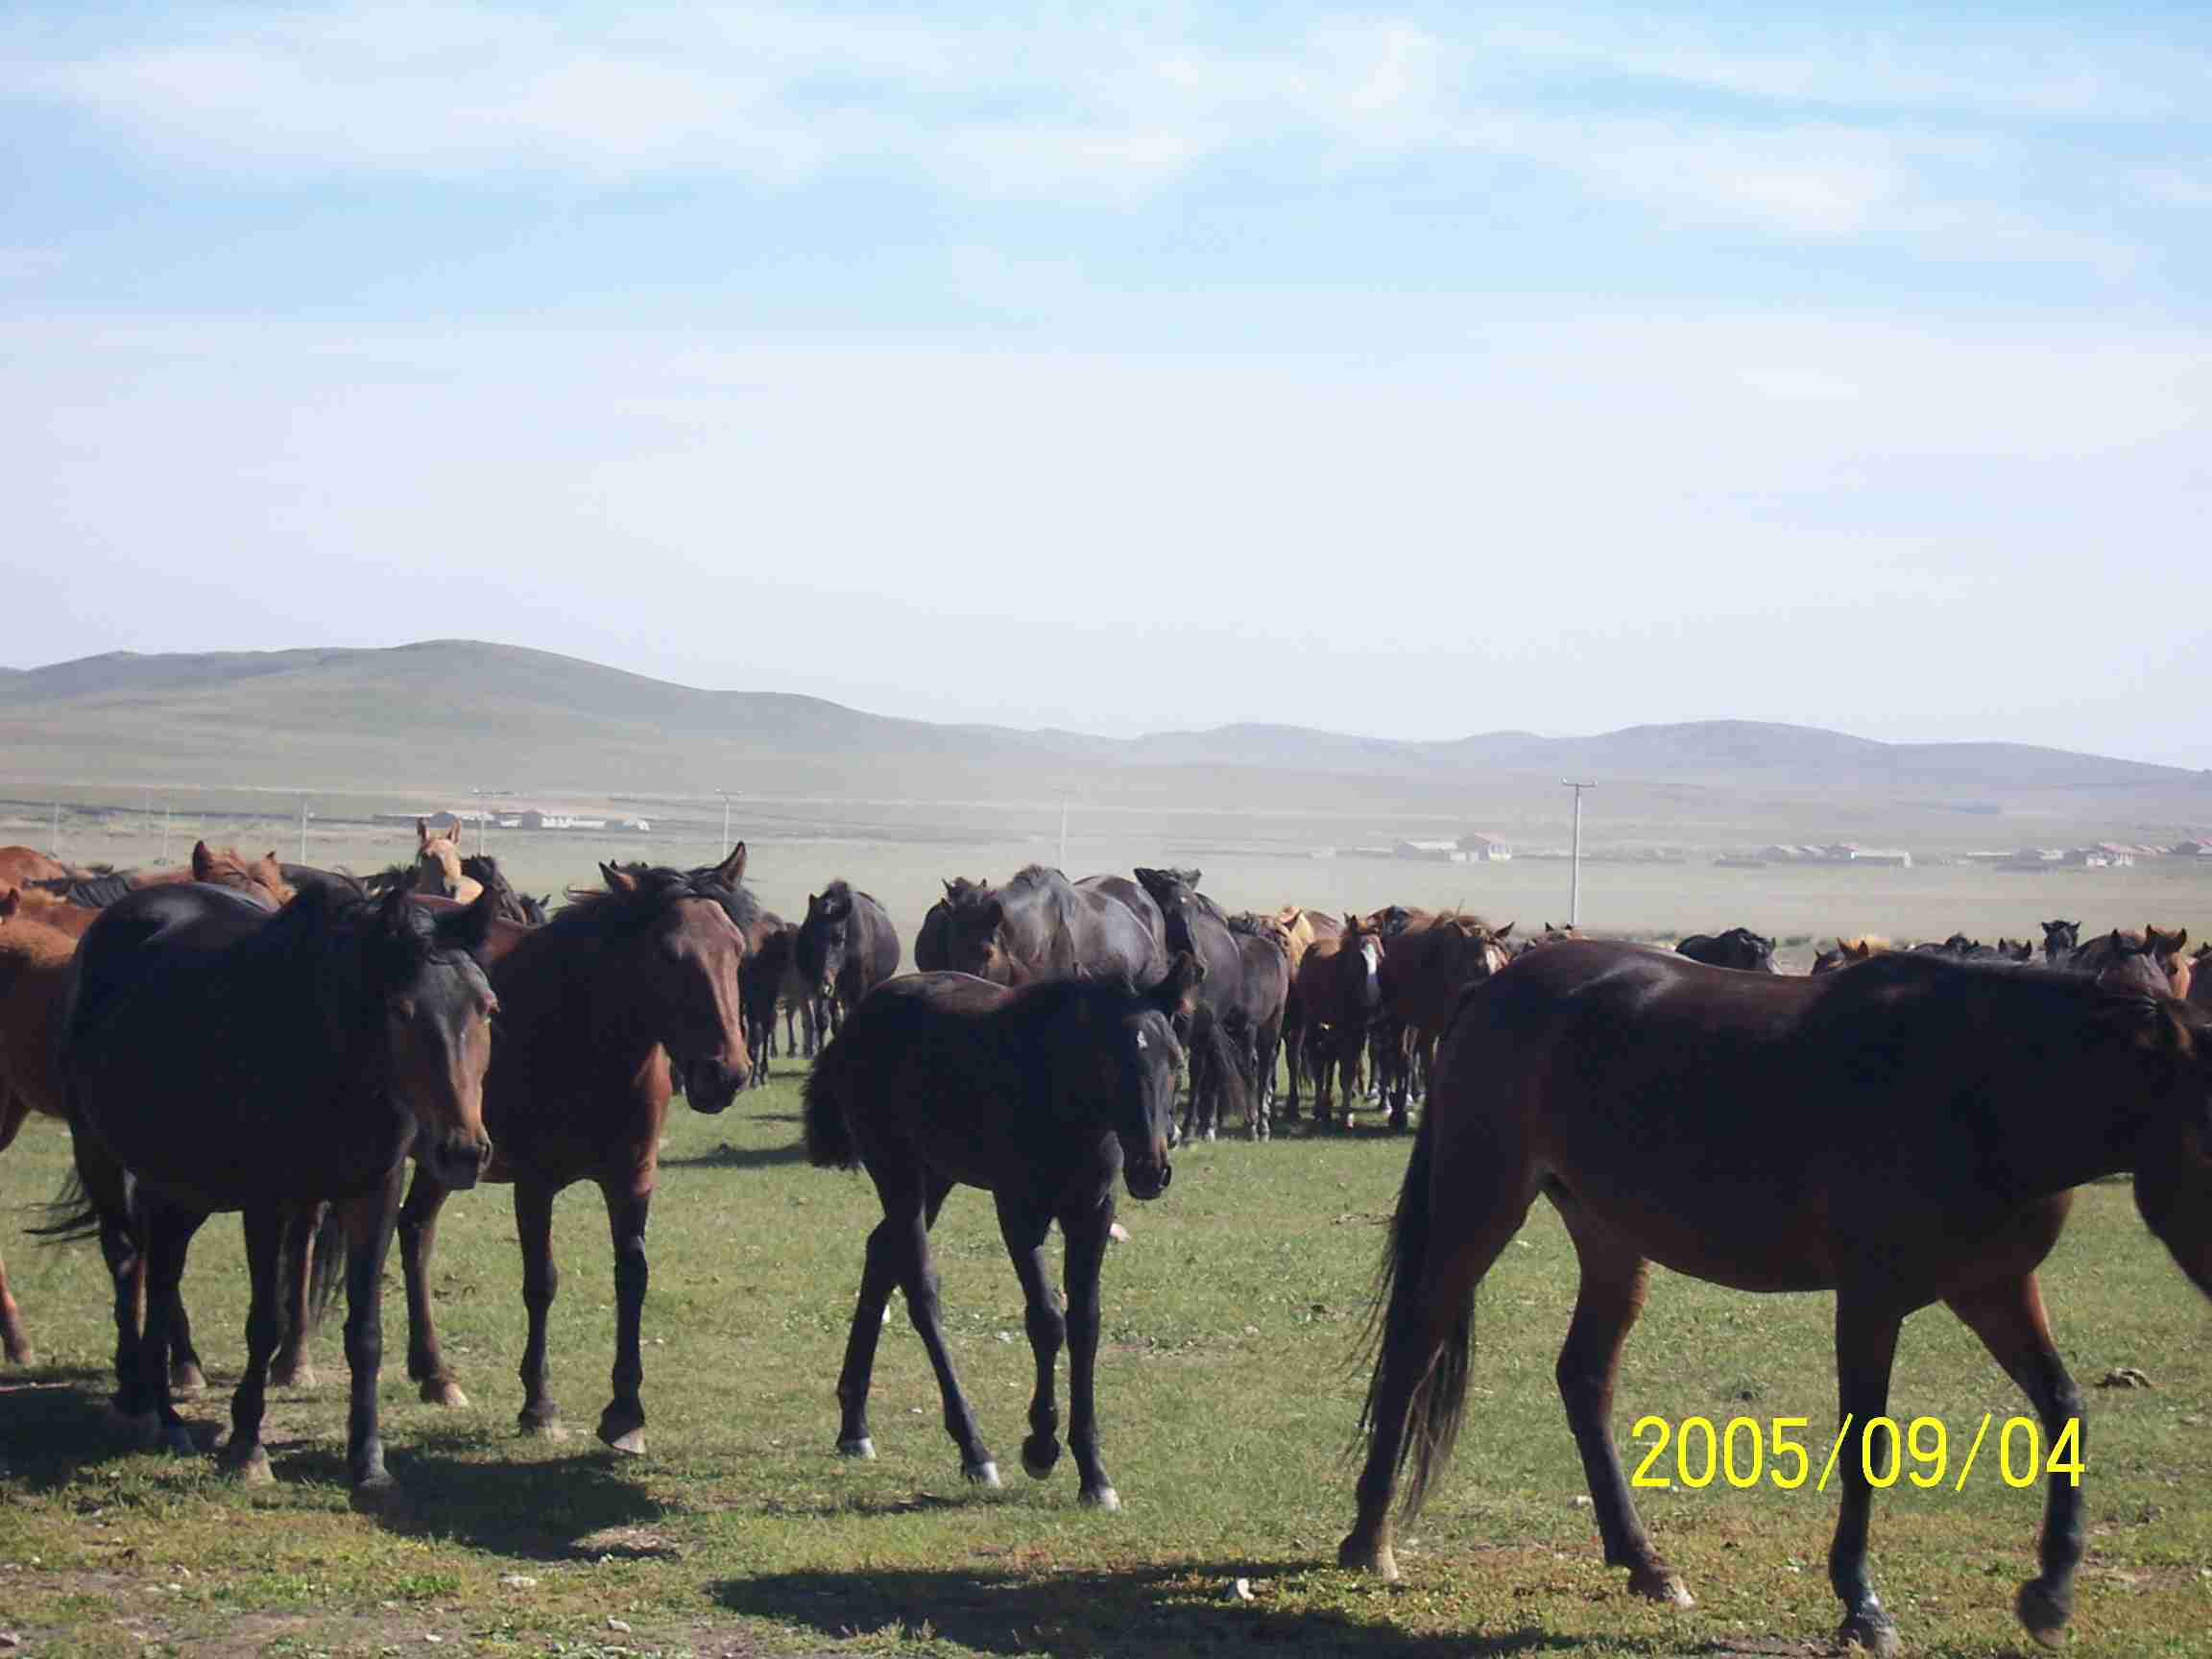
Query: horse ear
617, 880
1505, 932
421, 831
468, 928
203, 861
732, 868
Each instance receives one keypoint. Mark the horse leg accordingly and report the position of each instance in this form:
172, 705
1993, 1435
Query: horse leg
12, 1338
296, 1265
1607, 1303
1395, 1038
167, 1231
417, 1241
186, 1380
915, 1213
1085, 1229
368, 1220
541, 1283
623, 1425
1442, 1253
244, 1455
1865, 1349
1024, 1226
2010, 1321
879, 1272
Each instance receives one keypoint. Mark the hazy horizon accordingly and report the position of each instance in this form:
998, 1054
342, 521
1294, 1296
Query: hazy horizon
1403, 372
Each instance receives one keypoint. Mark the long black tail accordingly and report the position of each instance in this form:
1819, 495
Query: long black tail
330, 1270
1395, 1329
1227, 1066
829, 1141
73, 1215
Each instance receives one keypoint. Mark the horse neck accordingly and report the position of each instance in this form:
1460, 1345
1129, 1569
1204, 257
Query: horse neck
575, 994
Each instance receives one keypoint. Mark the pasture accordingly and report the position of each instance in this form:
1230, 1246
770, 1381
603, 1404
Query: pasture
1227, 1397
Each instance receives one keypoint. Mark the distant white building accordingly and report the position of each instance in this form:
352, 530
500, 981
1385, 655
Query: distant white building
1483, 849
1430, 852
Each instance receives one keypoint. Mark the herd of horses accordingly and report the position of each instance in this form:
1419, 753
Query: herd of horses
288, 1042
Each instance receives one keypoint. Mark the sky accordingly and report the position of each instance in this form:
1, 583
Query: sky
1411, 372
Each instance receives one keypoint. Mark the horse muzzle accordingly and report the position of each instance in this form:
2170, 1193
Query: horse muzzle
458, 1162
711, 1085
1148, 1176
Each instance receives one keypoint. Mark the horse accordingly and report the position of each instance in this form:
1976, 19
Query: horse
1339, 993
35, 961
2200, 978
437, 866
217, 1057
932, 949
1040, 926
1303, 925
1042, 1094
1257, 1017
22, 864
846, 947
1425, 971
261, 880
1195, 924
1846, 951
1941, 1114
1739, 947
2061, 940
2161, 947
766, 979
599, 1009
514, 907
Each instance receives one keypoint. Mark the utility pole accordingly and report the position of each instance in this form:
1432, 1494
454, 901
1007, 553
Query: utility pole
302, 828
57, 828
1574, 858
1062, 832
723, 852
164, 832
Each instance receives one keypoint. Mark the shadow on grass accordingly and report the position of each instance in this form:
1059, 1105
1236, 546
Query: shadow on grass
1139, 1610
54, 1422
729, 1157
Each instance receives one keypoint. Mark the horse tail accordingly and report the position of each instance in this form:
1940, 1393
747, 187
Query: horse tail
1229, 1067
73, 1215
329, 1272
829, 1141
1396, 1323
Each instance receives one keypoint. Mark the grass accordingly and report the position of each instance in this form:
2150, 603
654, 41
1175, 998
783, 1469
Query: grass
1227, 1399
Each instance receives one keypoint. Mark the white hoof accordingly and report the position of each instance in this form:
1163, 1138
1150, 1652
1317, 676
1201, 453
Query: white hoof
985, 1474
864, 1448
1105, 1498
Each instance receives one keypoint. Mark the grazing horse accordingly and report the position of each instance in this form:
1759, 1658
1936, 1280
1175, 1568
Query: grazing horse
598, 1009
1339, 993
1040, 926
1195, 923
1257, 1015
1942, 1112
261, 880
438, 870
1739, 947
846, 947
228, 1059
2061, 940
1426, 970
1042, 1096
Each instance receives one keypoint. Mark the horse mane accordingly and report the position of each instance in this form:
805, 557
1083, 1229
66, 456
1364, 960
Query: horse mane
90, 893
1035, 875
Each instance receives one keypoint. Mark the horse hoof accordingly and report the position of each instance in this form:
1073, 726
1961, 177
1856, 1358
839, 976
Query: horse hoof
1103, 1498
1876, 1632
443, 1391
186, 1382
542, 1426
1040, 1454
2041, 1614
299, 1376
1358, 1554
864, 1448
985, 1474
1661, 1584
176, 1440
379, 1496
629, 1440
248, 1465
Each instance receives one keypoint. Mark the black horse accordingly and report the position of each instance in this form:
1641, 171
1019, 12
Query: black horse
1041, 1096
846, 947
218, 1057
514, 907
1257, 1017
1739, 947
2061, 940
1041, 926
1195, 923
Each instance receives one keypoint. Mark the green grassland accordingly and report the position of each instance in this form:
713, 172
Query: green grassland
1228, 1400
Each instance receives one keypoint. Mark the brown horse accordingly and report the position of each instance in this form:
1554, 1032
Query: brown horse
1302, 926
1847, 952
599, 1011
1339, 994
33, 973
21, 864
1425, 971
1941, 1114
261, 880
438, 868
2162, 947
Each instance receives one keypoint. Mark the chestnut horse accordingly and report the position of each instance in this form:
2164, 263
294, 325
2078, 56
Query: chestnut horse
437, 865
1339, 994
21, 864
1942, 1113
260, 880
601, 1011
1302, 926
33, 973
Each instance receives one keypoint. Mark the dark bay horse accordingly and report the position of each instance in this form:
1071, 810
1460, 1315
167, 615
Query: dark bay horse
620, 992
513, 905
1042, 1096
217, 1057
1194, 922
1339, 990
2162, 947
846, 947
1041, 926
1941, 1114
767, 981
1264, 944
1739, 947
1304, 925
1426, 969
2061, 940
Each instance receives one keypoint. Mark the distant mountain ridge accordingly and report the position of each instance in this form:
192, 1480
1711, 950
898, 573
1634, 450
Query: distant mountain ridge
444, 713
